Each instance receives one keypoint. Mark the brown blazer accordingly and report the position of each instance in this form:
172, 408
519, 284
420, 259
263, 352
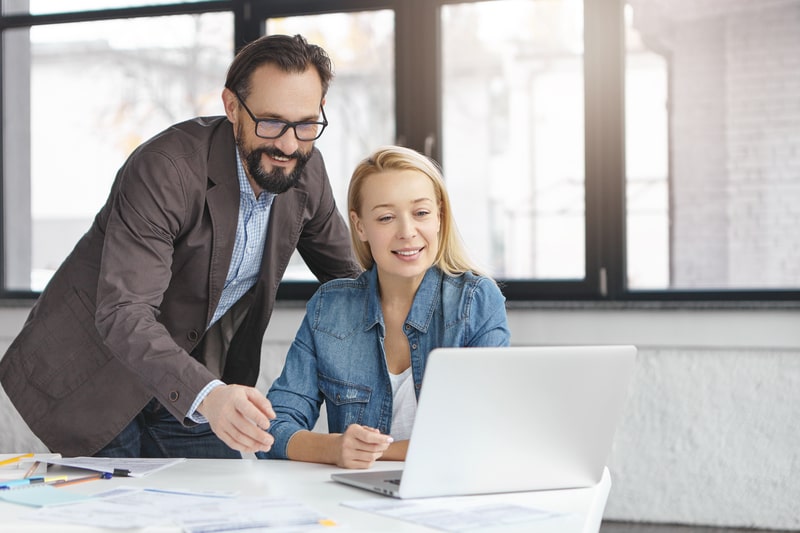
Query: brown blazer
117, 323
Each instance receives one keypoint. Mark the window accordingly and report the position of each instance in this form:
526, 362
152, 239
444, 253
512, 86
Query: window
89, 93
713, 118
360, 101
593, 149
513, 129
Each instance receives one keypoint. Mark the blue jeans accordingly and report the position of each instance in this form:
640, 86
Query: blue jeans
156, 433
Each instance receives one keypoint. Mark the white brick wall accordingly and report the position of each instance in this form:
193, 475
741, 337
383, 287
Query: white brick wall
735, 139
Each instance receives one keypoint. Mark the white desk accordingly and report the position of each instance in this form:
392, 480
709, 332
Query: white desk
311, 484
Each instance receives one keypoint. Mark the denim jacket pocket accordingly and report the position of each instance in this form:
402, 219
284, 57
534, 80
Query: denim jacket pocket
346, 403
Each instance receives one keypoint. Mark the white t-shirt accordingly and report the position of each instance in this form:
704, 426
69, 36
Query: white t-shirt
404, 404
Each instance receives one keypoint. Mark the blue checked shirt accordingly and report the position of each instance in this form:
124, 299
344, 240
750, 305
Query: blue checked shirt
251, 234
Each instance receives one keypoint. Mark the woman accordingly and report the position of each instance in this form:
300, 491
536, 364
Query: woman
364, 342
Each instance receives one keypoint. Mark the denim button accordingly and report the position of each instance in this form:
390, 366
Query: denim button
413, 346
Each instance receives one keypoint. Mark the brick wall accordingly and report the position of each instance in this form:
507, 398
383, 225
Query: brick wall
735, 139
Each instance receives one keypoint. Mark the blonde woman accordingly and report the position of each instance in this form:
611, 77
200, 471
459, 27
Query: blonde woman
364, 342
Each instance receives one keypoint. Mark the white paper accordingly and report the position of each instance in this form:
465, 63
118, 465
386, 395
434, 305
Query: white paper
454, 514
194, 512
135, 467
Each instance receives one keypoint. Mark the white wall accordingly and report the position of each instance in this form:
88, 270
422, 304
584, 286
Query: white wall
712, 430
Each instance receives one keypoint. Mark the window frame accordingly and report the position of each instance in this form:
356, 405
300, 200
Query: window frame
418, 111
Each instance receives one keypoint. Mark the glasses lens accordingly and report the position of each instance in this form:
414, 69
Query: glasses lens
308, 131
270, 128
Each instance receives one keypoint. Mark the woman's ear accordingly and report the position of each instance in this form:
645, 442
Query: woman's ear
358, 226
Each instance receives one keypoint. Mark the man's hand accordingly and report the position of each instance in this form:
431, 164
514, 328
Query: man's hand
239, 416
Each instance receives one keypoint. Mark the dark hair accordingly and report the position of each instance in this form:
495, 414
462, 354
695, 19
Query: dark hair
290, 54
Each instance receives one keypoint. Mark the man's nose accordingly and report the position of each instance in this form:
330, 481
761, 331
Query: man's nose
287, 143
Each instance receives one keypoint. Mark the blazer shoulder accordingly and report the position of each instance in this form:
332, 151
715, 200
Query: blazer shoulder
190, 136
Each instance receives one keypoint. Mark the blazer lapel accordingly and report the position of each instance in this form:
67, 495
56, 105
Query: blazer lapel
222, 201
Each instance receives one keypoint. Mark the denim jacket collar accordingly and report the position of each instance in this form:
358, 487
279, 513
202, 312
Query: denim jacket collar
422, 309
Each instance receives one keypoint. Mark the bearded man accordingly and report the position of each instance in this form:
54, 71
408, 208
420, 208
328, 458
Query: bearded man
147, 340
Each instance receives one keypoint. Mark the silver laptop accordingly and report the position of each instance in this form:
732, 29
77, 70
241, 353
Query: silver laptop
510, 419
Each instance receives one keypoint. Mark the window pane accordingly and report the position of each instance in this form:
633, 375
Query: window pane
360, 101
513, 130
78, 99
713, 109
39, 7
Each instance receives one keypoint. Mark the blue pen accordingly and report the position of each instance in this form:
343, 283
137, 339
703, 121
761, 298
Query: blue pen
14, 483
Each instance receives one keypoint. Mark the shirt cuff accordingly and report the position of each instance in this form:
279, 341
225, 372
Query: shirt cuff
192, 414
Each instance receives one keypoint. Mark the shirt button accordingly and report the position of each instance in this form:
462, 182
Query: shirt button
413, 346
408, 327
173, 396
193, 335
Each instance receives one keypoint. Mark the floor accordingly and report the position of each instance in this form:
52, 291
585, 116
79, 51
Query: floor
632, 527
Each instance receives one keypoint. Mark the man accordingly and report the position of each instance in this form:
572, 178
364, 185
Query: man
147, 340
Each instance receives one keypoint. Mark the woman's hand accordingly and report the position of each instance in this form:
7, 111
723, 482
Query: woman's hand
360, 446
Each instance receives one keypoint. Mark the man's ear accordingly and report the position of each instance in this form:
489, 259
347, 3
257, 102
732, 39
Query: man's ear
231, 104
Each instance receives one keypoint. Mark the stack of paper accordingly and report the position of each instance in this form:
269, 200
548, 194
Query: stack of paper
21, 465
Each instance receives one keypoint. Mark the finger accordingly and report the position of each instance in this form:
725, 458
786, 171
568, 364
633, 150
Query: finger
256, 409
260, 402
246, 430
244, 442
374, 438
361, 460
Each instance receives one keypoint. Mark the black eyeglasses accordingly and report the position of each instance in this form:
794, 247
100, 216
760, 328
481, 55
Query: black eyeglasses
272, 128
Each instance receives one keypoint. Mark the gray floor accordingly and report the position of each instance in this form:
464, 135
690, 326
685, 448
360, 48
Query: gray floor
632, 527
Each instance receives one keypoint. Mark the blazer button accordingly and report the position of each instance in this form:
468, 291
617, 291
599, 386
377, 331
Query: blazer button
173, 396
193, 335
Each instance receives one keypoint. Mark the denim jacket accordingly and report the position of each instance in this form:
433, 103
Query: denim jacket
338, 356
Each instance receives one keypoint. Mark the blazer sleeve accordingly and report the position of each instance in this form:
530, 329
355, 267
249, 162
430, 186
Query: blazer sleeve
145, 219
324, 243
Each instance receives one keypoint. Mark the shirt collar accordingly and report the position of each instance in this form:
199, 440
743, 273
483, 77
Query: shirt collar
422, 309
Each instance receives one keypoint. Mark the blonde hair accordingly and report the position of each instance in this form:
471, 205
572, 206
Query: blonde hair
451, 258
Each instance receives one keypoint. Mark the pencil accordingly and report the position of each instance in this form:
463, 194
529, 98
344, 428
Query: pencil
32, 469
16, 459
101, 475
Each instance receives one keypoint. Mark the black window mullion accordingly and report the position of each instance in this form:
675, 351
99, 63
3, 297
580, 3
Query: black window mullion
418, 76
605, 147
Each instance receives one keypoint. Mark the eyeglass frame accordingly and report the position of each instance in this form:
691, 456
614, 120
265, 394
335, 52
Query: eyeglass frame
286, 124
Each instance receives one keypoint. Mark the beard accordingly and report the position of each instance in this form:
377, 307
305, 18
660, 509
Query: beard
278, 180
